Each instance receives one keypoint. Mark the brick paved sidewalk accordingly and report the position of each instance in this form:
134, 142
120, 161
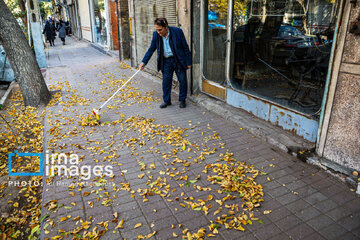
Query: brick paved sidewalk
305, 203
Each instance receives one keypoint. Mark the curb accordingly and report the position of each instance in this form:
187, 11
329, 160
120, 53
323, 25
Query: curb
258, 127
7, 94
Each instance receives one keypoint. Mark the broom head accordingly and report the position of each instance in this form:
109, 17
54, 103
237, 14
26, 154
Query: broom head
96, 114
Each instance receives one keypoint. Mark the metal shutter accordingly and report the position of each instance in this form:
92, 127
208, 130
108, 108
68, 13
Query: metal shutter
146, 11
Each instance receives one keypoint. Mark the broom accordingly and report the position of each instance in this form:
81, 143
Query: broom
96, 112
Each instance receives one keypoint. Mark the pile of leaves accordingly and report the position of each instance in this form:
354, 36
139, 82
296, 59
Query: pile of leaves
22, 131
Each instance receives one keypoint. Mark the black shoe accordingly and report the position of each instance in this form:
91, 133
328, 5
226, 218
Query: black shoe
164, 105
182, 104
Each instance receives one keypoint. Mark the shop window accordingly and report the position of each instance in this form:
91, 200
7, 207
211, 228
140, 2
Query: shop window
215, 40
281, 50
100, 22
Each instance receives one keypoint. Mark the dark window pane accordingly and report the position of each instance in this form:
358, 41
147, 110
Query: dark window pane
281, 50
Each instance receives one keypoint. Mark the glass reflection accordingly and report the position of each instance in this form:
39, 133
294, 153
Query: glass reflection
100, 22
281, 50
215, 37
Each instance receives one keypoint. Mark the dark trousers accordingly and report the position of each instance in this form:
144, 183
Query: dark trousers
171, 66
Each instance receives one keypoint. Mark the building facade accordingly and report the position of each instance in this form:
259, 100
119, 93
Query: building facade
292, 63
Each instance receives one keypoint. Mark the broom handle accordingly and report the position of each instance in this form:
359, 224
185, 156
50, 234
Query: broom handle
119, 89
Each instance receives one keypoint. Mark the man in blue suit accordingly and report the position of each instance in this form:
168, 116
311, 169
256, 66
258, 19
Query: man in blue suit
173, 55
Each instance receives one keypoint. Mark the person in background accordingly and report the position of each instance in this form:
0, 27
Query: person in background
62, 33
49, 31
173, 55
67, 27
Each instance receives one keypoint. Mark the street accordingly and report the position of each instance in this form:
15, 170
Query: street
170, 173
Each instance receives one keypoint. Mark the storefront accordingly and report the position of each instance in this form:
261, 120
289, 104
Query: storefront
85, 21
74, 18
269, 57
100, 22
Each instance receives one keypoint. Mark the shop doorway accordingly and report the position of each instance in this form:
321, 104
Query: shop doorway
274, 53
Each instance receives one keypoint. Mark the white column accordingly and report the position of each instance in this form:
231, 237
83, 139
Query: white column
33, 12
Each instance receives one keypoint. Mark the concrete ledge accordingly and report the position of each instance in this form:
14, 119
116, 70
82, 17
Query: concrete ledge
7, 94
98, 47
343, 173
258, 127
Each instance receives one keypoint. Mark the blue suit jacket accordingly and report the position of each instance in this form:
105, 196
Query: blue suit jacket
178, 45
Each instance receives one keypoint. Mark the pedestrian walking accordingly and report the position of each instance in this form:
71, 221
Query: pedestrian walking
67, 27
173, 55
49, 31
62, 33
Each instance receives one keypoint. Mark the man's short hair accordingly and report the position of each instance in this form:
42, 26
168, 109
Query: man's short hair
161, 22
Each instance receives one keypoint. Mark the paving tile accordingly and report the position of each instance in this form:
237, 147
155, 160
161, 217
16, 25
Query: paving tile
288, 198
281, 236
315, 236
189, 214
349, 236
315, 198
267, 232
356, 232
232, 234
350, 222
293, 186
279, 214
271, 185
326, 206
287, 179
278, 192
300, 232
320, 222
125, 206
298, 205
271, 204
196, 223
338, 213
322, 184
159, 214
333, 232
353, 205
130, 214
308, 213
288, 222
162, 223
167, 233
110, 235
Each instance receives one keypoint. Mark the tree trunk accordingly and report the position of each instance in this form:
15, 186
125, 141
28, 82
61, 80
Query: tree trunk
22, 59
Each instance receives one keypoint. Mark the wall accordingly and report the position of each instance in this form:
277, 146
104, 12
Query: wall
124, 29
85, 19
114, 26
184, 18
195, 42
343, 135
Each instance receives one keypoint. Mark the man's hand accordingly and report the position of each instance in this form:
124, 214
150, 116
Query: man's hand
141, 66
189, 66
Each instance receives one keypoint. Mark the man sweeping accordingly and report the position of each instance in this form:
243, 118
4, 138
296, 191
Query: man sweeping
173, 55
